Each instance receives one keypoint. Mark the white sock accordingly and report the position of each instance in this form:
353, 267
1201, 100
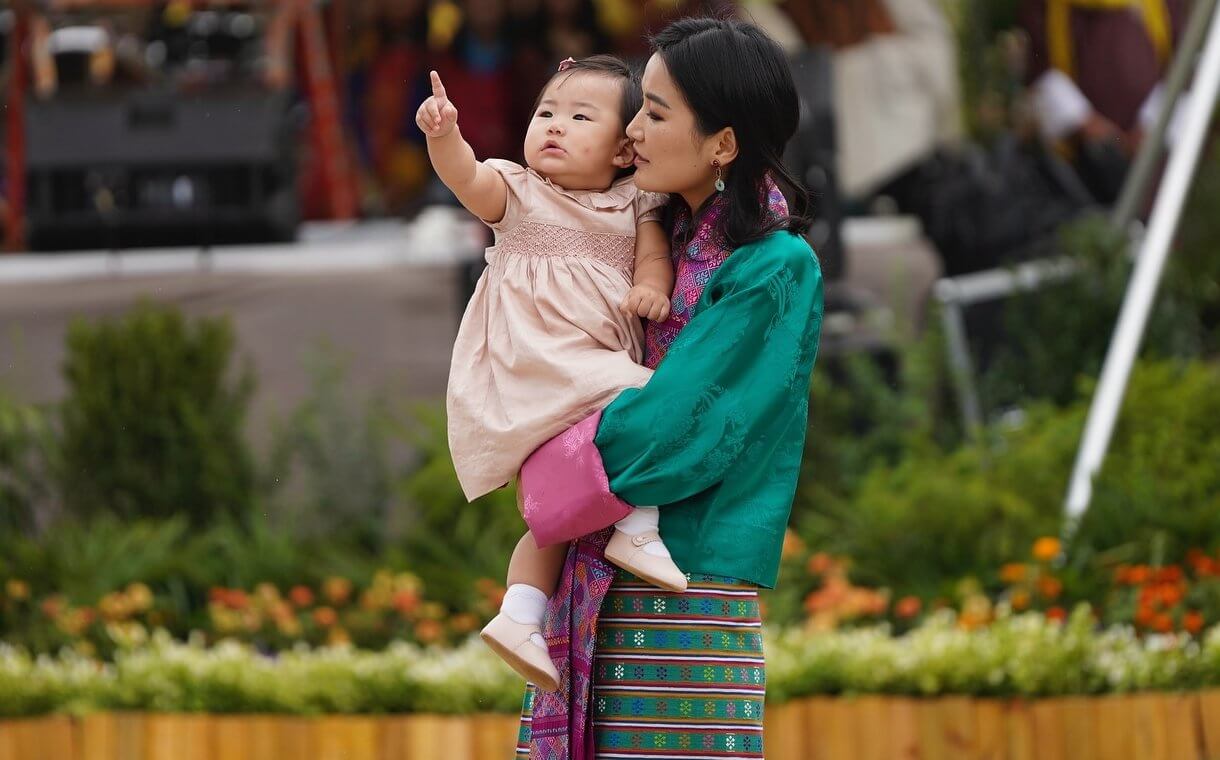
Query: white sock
644, 520
525, 605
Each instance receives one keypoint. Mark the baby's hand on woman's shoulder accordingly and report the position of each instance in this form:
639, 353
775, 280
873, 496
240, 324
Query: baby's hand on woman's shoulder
647, 302
436, 116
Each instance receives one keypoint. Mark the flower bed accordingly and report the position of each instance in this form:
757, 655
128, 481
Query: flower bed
1027, 655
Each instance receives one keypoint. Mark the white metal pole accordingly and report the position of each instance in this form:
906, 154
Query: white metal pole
1141, 290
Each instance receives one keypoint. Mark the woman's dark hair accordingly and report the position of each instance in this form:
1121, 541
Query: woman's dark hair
734, 75
609, 66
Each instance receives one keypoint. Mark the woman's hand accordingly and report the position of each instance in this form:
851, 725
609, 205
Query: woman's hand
436, 116
647, 302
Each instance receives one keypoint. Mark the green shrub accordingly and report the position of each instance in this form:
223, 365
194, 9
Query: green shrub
25, 445
329, 470
450, 544
152, 424
920, 525
1158, 493
932, 518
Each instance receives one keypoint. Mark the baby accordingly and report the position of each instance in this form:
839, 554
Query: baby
553, 332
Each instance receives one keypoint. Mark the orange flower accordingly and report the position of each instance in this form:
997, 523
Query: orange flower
1139, 575
1050, 587
325, 617
1207, 568
1020, 600
908, 607
1171, 594
53, 606
406, 602
1046, 548
237, 599
463, 622
1144, 616
428, 631
17, 590
337, 590
1058, 614
1162, 623
820, 563
1013, 573
793, 545
301, 596
1169, 574
1193, 621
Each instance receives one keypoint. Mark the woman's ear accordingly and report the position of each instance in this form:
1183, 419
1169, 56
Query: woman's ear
625, 156
724, 146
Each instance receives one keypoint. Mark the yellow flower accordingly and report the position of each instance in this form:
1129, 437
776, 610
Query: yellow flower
1046, 548
267, 593
113, 606
433, 610
139, 597
17, 590
793, 545
288, 626
337, 590
338, 637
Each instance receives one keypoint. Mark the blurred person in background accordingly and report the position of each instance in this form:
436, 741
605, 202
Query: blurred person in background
392, 77
477, 70
573, 29
532, 62
1095, 70
630, 22
895, 81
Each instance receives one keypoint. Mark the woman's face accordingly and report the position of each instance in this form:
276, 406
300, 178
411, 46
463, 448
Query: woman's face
671, 155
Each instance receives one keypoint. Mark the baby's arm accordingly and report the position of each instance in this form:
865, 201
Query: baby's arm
480, 188
654, 275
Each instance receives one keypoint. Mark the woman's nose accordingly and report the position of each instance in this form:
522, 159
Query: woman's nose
635, 130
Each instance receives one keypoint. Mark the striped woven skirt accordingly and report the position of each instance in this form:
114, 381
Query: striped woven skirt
676, 676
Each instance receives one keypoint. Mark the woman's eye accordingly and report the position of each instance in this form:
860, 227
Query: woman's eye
545, 114
580, 117
652, 115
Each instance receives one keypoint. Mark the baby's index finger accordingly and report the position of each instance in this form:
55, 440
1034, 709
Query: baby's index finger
438, 89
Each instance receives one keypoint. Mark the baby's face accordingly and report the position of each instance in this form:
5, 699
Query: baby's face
575, 138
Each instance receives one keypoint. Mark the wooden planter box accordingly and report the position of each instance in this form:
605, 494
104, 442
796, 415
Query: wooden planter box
1138, 727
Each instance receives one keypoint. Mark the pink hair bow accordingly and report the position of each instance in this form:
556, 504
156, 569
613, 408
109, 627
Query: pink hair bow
565, 63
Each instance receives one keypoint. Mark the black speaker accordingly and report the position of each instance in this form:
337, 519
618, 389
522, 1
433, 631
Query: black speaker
115, 169
811, 154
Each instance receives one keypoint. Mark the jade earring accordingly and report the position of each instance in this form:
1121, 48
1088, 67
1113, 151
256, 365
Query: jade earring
719, 175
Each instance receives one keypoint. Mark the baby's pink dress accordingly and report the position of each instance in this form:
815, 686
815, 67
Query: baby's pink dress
543, 344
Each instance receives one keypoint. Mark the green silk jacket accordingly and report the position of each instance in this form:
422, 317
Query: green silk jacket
715, 438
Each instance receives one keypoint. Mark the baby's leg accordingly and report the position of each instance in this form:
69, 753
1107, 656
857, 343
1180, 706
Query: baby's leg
536, 567
636, 546
516, 633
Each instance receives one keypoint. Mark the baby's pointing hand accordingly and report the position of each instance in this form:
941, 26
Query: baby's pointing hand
436, 116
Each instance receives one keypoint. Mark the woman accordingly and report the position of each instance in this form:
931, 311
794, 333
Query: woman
715, 437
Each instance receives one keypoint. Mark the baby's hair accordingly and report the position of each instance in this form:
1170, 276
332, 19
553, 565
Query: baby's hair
607, 65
